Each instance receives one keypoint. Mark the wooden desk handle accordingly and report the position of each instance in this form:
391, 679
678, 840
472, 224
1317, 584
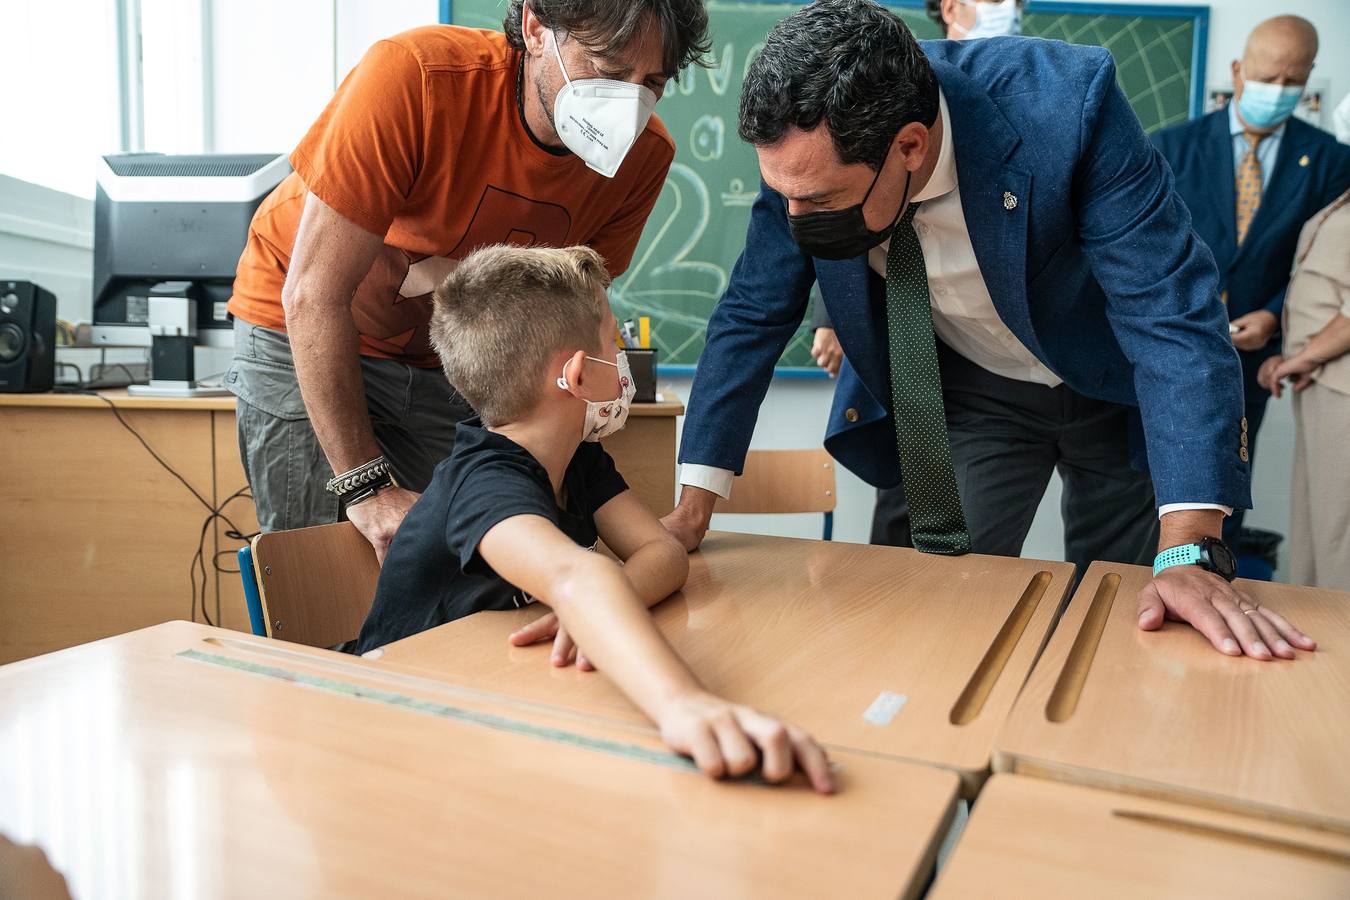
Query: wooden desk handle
1069, 686
986, 674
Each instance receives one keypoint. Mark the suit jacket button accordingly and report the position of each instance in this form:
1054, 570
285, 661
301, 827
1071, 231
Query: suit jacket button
851, 414
1242, 454
1244, 423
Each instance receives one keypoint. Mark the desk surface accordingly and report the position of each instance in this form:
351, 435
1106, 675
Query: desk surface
871, 648
1028, 837
1162, 713
671, 406
144, 773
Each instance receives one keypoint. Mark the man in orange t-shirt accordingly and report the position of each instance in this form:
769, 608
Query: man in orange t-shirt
440, 141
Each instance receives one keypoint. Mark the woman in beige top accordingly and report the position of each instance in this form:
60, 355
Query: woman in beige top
1316, 365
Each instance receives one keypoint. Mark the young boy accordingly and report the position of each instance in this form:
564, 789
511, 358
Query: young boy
513, 515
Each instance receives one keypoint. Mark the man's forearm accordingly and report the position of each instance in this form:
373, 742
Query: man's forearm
328, 367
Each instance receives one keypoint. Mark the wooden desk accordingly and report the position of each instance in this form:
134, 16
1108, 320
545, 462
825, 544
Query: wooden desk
1033, 838
96, 538
1164, 714
146, 774
819, 633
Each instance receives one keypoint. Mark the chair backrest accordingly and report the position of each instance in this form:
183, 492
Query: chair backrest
316, 584
783, 481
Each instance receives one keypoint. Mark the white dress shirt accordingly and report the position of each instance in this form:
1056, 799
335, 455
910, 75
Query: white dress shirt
964, 316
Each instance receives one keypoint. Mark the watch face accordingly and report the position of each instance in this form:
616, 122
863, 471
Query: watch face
1221, 558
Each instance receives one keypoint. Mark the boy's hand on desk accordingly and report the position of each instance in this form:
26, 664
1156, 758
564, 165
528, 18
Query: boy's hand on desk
1232, 621
564, 648
723, 739
379, 517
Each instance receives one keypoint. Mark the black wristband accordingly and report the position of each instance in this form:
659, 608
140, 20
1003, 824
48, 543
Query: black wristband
367, 490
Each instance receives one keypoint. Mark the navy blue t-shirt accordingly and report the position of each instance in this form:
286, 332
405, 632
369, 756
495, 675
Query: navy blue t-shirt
433, 573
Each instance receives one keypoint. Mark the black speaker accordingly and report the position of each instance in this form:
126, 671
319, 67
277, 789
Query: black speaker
27, 338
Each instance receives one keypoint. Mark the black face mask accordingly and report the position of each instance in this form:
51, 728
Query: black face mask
843, 233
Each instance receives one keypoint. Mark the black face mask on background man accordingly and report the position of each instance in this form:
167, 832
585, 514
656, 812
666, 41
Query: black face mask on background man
843, 233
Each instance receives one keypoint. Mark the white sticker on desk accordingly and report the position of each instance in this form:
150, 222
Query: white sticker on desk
885, 708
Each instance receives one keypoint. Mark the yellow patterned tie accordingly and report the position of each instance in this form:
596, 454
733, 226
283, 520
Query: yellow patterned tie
1248, 186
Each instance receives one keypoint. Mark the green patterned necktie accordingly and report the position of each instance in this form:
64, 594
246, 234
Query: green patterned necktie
937, 521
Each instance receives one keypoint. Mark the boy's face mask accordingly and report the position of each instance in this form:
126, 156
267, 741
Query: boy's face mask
604, 418
598, 119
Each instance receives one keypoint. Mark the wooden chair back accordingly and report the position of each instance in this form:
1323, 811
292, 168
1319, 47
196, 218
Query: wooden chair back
316, 584
783, 481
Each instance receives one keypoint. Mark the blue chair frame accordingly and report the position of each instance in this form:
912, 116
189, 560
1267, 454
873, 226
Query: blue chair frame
251, 595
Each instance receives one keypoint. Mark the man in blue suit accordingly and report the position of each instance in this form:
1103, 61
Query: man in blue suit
1001, 196
1252, 176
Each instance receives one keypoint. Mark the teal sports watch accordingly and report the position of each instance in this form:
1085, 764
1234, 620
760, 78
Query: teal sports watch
1211, 554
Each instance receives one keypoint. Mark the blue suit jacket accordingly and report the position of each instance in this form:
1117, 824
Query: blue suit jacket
1311, 170
1096, 270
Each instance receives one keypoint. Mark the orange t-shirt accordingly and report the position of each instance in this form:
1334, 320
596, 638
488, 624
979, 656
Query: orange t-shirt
424, 143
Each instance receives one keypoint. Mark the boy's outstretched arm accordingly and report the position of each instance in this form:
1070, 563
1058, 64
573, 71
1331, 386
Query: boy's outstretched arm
598, 605
655, 564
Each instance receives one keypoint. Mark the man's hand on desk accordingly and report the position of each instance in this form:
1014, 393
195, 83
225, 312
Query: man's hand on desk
379, 517
689, 520
1232, 621
564, 648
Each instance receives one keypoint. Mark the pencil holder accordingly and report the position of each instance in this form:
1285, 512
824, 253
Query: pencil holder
642, 363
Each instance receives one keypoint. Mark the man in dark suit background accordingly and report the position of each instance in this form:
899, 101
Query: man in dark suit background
940, 190
1252, 175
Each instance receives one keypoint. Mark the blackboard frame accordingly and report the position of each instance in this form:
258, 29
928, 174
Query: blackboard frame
1199, 16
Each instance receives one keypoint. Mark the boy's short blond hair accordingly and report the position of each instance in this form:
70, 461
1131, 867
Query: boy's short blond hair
504, 312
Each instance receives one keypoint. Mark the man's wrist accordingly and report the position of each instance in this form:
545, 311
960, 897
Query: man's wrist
698, 500
1189, 526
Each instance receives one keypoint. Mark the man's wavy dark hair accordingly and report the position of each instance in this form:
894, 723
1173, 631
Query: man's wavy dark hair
851, 64
606, 27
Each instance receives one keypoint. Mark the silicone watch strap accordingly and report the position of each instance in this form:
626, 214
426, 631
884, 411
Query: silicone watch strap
1185, 555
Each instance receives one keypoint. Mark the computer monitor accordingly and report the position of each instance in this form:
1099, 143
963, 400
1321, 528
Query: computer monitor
173, 219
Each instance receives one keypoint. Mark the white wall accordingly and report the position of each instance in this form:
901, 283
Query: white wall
47, 237
276, 65
58, 91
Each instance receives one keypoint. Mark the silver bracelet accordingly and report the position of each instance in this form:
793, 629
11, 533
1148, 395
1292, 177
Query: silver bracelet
359, 477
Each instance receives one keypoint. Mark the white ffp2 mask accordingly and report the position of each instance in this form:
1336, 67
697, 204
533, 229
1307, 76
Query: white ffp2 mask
598, 119
605, 417
992, 20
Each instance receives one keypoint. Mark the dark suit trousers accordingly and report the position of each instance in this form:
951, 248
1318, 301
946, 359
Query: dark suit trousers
1007, 437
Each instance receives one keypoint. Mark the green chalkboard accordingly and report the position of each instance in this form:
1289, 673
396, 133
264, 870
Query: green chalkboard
698, 227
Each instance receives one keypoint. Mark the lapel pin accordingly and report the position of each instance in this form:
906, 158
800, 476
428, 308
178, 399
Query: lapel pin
1009, 201
1303, 160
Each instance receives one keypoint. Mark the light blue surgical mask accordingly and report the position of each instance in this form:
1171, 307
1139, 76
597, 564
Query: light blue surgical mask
1265, 105
992, 20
